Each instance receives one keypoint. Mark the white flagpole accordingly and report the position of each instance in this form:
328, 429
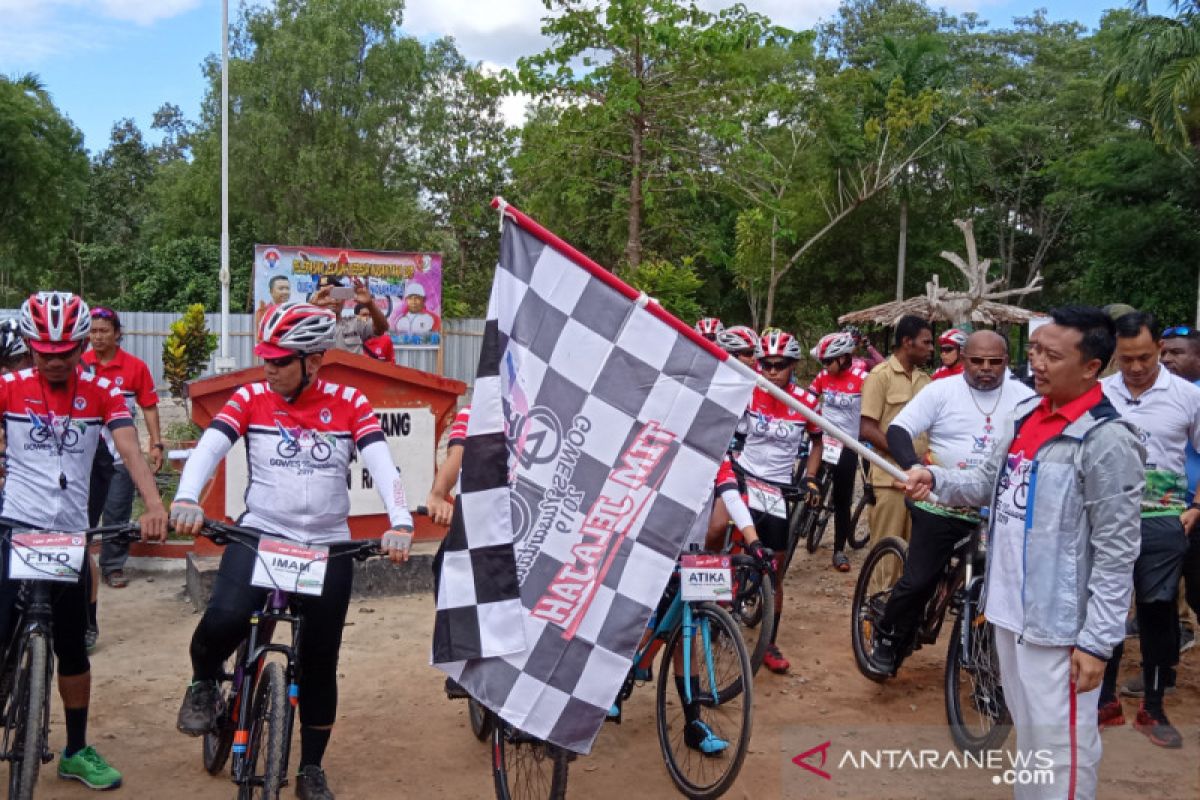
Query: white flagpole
827, 426
224, 360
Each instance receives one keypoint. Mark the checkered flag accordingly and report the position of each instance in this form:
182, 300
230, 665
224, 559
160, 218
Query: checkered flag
597, 426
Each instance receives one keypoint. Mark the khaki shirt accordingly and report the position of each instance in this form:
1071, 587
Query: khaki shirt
886, 391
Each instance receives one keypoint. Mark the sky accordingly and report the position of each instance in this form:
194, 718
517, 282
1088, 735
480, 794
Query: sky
104, 60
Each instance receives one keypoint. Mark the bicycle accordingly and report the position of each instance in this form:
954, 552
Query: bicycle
258, 695
974, 698
38, 559
815, 519
698, 635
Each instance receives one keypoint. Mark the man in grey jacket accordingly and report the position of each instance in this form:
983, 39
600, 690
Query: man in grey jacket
1064, 484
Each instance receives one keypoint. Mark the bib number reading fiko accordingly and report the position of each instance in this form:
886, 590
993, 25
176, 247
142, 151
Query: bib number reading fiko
705, 577
46, 556
766, 498
290, 566
831, 450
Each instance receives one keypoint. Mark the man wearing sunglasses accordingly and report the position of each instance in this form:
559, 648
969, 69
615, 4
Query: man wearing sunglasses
962, 417
1166, 409
300, 434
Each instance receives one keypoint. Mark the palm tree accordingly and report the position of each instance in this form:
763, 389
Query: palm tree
1159, 73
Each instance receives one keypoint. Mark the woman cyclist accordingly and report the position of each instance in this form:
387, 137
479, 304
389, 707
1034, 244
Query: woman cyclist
774, 434
839, 385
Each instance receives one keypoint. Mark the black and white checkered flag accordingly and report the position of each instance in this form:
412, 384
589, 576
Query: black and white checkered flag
597, 426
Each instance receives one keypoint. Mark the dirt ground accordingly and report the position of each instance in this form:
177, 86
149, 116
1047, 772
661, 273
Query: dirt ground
398, 736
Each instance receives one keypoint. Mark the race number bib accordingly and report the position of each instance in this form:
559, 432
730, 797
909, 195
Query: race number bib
831, 450
766, 498
290, 566
46, 556
705, 577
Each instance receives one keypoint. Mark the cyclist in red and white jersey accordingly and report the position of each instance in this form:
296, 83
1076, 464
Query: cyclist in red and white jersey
774, 433
300, 432
740, 342
839, 385
53, 417
950, 344
438, 503
872, 358
709, 328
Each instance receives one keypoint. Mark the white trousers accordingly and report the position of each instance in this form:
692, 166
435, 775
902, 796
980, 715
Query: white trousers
1052, 723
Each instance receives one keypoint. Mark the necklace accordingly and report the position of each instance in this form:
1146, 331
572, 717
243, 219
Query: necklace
987, 423
60, 442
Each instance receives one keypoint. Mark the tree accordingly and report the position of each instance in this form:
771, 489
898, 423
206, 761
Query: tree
43, 170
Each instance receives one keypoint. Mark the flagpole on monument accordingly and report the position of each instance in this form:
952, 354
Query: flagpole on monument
224, 361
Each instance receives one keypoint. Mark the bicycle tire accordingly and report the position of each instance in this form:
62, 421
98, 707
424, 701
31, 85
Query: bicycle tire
268, 737
820, 514
480, 718
526, 768
868, 601
754, 610
860, 537
719, 715
27, 717
219, 741
987, 695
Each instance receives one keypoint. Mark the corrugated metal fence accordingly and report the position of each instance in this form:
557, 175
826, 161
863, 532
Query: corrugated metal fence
144, 332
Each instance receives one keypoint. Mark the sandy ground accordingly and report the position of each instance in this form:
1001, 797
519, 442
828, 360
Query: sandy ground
398, 736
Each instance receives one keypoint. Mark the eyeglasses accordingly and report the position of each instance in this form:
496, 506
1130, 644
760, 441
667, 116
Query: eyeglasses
280, 363
1180, 330
774, 366
979, 361
949, 348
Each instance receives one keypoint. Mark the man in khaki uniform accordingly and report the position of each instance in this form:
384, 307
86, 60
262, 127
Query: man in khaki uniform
886, 391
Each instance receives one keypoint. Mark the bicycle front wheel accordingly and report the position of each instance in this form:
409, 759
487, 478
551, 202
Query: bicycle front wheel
219, 741
704, 741
880, 572
975, 708
268, 741
481, 719
526, 768
26, 725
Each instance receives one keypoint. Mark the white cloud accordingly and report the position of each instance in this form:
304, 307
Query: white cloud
37, 30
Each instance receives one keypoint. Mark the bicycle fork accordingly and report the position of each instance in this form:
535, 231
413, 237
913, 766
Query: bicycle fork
689, 626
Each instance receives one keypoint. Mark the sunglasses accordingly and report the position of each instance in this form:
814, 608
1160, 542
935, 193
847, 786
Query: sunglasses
280, 363
743, 354
948, 348
774, 366
1180, 330
103, 313
979, 361
828, 361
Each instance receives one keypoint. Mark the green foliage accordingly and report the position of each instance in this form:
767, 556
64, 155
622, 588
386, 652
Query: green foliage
186, 349
674, 286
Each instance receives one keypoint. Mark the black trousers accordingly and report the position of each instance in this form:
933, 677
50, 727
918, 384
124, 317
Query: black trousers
844, 474
930, 547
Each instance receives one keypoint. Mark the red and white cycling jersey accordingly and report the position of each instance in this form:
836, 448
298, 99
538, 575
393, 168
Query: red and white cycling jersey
949, 372
774, 433
299, 455
51, 432
841, 397
458, 428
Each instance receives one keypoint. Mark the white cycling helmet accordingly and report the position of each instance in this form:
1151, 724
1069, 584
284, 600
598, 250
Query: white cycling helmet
737, 339
55, 322
293, 328
833, 345
778, 343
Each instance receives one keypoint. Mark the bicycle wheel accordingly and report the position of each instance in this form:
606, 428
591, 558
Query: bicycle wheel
481, 719
975, 708
880, 572
820, 514
753, 608
267, 748
219, 741
526, 768
719, 667
26, 725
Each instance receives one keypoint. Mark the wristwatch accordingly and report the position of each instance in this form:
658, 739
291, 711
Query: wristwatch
158, 446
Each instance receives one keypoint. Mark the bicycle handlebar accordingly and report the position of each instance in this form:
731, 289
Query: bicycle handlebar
222, 533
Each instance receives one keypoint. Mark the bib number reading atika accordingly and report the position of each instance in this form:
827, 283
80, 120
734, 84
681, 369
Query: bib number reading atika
290, 566
766, 498
46, 556
705, 577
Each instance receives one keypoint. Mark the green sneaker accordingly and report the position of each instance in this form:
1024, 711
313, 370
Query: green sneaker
90, 768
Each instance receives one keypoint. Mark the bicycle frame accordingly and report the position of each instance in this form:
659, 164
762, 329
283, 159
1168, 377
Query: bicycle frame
958, 578
678, 613
34, 617
246, 675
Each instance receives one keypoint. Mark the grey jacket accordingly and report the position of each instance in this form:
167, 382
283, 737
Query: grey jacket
1082, 526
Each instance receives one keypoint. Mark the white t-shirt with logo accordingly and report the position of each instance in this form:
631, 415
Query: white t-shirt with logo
1167, 416
956, 418
1003, 606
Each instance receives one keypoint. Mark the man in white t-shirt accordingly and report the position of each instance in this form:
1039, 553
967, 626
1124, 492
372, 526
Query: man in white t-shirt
962, 415
1166, 410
